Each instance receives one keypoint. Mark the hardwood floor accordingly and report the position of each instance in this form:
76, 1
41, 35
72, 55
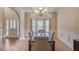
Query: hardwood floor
23, 45
14, 45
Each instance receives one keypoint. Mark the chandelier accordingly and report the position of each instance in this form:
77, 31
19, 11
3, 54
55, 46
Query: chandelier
40, 11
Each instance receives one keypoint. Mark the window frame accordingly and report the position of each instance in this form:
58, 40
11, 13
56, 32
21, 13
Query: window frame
44, 25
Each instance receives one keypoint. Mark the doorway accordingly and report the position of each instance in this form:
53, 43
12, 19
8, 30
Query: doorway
10, 24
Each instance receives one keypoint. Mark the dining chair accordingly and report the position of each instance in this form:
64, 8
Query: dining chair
53, 35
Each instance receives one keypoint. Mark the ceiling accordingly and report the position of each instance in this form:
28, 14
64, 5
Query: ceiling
31, 9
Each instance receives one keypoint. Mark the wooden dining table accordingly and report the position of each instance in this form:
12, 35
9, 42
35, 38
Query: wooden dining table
41, 44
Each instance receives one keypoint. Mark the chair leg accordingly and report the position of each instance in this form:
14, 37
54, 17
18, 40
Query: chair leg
29, 46
53, 46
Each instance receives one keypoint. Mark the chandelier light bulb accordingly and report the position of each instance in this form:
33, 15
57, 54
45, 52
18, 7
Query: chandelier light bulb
45, 10
37, 11
40, 8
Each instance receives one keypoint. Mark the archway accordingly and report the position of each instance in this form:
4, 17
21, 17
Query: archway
11, 23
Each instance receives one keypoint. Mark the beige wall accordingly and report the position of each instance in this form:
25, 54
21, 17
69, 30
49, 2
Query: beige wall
68, 19
54, 22
27, 22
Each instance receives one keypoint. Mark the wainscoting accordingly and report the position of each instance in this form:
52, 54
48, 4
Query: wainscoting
67, 37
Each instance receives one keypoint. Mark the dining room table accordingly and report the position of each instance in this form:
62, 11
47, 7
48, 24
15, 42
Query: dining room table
45, 35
